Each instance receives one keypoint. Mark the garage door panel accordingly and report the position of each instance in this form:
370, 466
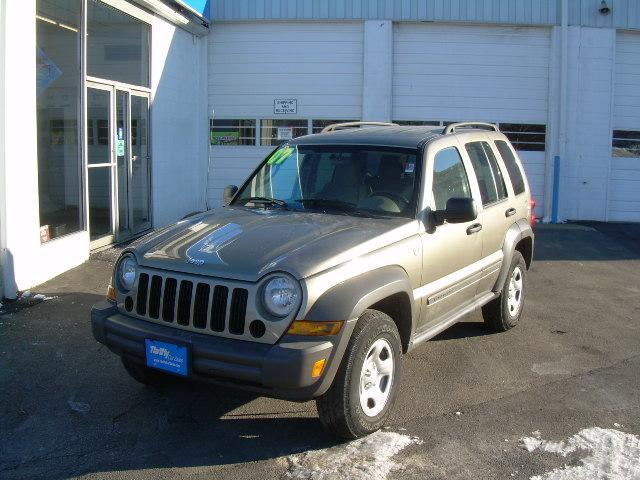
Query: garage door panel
480, 61
624, 177
272, 82
471, 71
459, 85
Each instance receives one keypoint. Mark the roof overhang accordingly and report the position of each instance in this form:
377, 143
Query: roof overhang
178, 13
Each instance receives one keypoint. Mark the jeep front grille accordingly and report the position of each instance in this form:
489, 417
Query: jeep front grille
191, 303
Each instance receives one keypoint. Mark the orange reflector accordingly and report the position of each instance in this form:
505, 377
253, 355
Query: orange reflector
303, 327
318, 368
111, 293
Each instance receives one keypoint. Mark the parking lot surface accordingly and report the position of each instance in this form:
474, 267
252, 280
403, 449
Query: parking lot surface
471, 404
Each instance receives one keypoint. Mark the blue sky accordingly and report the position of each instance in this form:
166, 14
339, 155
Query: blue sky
199, 5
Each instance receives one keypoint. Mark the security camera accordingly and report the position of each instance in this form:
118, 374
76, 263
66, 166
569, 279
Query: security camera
604, 8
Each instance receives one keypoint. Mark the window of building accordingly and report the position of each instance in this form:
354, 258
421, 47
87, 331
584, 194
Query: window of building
117, 45
524, 136
626, 143
492, 187
58, 93
513, 169
449, 178
232, 132
276, 132
428, 123
318, 125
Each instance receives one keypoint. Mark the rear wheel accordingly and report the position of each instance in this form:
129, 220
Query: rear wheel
504, 312
143, 374
365, 388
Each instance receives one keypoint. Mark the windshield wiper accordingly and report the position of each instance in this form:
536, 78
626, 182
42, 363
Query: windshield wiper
267, 201
346, 207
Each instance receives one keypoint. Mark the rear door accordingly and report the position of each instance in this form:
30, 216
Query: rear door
498, 213
451, 252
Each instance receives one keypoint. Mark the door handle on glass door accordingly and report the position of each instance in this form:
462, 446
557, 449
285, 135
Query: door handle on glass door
509, 212
476, 227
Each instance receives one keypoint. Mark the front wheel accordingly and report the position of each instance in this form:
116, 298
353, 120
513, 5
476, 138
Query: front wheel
504, 312
365, 388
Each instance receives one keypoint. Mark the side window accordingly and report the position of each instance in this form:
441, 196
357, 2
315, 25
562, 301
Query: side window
490, 181
512, 166
449, 177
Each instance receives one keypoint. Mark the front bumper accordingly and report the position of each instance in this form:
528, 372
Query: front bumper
282, 370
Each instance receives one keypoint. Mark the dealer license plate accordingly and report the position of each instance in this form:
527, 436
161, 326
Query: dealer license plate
167, 356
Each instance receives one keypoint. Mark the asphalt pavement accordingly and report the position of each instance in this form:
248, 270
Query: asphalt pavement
467, 400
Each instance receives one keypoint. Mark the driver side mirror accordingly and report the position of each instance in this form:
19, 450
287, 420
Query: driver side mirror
229, 193
458, 210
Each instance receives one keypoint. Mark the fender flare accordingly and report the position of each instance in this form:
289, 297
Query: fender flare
518, 231
349, 299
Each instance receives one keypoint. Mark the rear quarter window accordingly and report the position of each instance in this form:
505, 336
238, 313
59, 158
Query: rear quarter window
513, 169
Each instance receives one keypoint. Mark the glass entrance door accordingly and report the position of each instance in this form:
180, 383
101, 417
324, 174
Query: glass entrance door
132, 158
100, 174
118, 163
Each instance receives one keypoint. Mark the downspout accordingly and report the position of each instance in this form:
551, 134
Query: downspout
3, 203
562, 117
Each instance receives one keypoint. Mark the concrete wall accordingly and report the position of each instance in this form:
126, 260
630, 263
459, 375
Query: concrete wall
585, 168
179, 123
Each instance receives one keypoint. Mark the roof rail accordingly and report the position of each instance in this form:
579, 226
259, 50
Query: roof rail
340, 126
481, 125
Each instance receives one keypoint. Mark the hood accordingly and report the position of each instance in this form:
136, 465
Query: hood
246, 244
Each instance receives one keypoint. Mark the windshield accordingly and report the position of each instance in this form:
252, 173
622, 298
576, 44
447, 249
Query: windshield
357, 180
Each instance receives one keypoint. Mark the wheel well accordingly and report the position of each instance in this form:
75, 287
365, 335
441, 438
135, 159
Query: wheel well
525, 247
398, 307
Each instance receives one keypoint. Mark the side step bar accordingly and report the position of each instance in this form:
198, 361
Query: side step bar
442, 326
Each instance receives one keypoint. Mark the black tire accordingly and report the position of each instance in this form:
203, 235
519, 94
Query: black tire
143, 374
498, 315
339, 408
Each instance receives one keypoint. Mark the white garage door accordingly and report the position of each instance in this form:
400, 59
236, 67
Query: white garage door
498, 74
254, 65
624, 181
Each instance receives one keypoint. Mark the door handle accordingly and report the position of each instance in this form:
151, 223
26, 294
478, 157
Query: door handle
509, 212
476, 227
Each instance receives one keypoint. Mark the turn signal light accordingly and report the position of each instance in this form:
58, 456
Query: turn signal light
303, 327
111, 293
318, 368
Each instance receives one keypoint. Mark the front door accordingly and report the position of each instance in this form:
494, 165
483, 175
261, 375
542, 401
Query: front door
118, 163
451, 251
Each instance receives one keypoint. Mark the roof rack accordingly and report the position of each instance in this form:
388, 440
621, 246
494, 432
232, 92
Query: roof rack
481, 125
341, 126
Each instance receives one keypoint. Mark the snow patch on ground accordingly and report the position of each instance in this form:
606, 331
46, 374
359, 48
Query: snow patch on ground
368, 458
611, 454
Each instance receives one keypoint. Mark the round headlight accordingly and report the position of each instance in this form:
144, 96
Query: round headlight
280, 296
127, 272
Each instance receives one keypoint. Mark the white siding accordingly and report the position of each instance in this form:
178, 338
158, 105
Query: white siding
624, 180
624, 13
457, 73
251, 64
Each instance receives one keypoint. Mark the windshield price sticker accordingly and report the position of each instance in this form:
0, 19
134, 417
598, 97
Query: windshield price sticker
283, 106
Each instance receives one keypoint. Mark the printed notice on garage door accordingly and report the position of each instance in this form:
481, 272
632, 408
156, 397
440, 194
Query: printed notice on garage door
285, 133
283, 106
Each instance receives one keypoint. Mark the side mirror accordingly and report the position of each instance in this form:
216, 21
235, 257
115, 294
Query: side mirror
458, 210
229, 193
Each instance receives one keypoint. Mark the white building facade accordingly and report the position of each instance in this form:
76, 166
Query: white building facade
560, 77
103, 113
120, 116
